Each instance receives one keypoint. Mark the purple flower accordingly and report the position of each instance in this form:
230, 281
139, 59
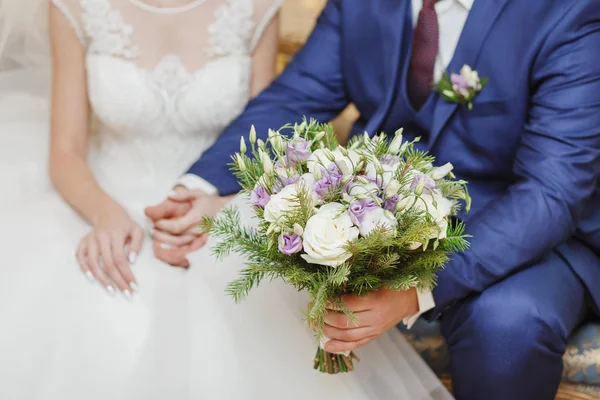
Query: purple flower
359, 208
298, 150
290, 244
330, 182
391, 203
422, 179
460, 84
260, 197
284, 181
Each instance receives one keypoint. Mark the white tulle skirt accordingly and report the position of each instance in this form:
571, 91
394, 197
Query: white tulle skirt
63, 338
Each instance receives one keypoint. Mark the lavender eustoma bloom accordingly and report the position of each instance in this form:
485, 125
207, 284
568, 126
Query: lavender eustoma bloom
260, 197
359, 208
428, 183
298, 150
460, 84
331, 181
284, 181
289, 244
391, 203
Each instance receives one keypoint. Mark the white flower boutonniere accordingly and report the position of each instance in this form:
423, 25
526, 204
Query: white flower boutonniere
461, 88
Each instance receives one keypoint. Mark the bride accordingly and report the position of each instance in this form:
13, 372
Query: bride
139, 89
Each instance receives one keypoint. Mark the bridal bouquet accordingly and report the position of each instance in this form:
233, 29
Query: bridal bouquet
337, 220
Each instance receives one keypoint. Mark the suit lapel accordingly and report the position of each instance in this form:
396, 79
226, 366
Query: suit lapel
393, 30
481, 18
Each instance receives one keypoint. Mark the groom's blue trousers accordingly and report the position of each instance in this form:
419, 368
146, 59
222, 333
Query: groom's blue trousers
507, 342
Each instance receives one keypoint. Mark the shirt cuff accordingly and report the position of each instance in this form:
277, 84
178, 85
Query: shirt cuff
426, 303
194, 182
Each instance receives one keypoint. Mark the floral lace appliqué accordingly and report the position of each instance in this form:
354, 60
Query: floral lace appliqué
106, 29
231, 32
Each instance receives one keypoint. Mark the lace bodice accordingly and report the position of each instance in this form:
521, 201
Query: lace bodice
164, 82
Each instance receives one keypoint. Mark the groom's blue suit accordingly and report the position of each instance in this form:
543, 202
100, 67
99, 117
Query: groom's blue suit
530, 149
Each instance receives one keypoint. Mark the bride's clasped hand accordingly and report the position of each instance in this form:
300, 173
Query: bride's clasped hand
176, 222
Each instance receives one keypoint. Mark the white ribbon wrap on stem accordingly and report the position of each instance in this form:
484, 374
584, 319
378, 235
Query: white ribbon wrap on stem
325, 339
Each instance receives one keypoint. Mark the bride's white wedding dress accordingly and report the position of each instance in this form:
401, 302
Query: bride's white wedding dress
163, 83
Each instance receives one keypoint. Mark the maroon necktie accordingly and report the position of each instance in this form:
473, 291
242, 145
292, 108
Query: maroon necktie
424, 52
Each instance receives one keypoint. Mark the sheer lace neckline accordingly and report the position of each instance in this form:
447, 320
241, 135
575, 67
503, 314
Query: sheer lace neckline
167, 10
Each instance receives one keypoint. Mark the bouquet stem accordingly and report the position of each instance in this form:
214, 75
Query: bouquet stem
330, 363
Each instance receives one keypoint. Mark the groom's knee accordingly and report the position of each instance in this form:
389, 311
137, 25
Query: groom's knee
505, 333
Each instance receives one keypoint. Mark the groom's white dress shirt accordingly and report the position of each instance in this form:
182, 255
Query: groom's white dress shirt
452, 15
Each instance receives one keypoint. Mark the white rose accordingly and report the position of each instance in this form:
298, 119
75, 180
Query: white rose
389, 171
377, 218
326, 235
281, 203
346, 164
287, 199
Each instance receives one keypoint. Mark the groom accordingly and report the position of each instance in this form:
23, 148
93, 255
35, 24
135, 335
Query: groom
530, 149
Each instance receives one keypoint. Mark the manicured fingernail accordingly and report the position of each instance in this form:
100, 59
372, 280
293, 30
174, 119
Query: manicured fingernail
172, 193
132, 257
127, 295
135, 287
165, 246
90, 276
110, 290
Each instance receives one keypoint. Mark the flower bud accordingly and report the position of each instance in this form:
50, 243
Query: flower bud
266, 162
329, 155
272, 228
378, 166
318, 137
240, 162
277, 143
317, 173
363, 180
242, 145
252, 134
392, 188
344, 151
272, 133
261, 144
346, 179
396, 143
298, 230
419, 188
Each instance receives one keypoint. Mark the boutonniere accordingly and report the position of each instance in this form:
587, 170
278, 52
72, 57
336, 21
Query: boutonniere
461, 88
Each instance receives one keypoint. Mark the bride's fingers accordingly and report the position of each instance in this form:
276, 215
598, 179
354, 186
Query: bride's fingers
121, 263
137, 239
93, 260
109, 263
81, 255
174, 240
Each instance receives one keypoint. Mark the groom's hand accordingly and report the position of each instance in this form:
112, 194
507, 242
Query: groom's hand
376, 313
176, 220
